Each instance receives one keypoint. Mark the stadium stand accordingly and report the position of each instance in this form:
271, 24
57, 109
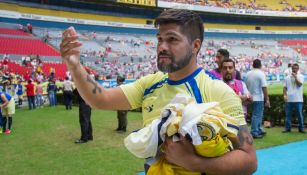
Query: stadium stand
283, 5
113, 50
134, 55
22, 46
17, 68
100, 12
294, 42
274, 5
299, 45
6, 31
304, 51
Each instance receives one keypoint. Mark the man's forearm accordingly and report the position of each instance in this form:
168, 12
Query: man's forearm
236, 162
298, 83
285, 91
244, 98
240, 161
4, 104
265, 93
87, 87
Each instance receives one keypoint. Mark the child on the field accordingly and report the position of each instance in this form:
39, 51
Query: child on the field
7, 104
1, 121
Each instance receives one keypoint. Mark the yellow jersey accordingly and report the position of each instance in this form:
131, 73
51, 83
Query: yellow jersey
153, 92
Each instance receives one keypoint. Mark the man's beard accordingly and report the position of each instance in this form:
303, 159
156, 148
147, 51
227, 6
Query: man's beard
227, 77
176, 64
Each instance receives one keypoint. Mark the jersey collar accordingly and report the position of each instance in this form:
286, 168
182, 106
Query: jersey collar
186, 79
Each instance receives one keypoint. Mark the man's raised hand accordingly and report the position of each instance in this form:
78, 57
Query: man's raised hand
70, 48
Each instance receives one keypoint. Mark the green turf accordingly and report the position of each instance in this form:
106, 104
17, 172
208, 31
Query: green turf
275, 137
277, 88
41, 143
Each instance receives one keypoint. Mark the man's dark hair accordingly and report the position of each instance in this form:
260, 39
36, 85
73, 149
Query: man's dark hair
227, 60
295, 64
257, 64
120, 78
224, 52
190, 22
289, 65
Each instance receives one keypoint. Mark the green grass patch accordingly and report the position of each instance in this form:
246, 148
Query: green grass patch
42, 143
275, 137
277, 88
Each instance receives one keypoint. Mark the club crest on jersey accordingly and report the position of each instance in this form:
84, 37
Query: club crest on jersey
149, 108
206, 131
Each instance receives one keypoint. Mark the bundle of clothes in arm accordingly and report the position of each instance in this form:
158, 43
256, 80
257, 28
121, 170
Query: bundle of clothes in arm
205, 123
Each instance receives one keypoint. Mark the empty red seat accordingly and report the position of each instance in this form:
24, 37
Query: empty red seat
20, 46
13, 32
294, 42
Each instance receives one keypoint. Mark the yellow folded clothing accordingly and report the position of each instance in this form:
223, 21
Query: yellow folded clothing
162, 167
205, 123
213, 148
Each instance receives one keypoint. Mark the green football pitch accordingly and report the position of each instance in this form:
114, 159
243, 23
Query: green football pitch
277, 88
42, 143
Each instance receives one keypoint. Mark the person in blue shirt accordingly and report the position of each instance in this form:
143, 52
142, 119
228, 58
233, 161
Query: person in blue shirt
51, 89
1, 121
19, 92
7, 104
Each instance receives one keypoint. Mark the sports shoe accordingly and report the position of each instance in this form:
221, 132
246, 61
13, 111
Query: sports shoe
7, 131
80, 141
258, 136
121, 131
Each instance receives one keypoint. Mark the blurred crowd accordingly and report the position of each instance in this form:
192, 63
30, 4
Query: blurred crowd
247, 4
112, 63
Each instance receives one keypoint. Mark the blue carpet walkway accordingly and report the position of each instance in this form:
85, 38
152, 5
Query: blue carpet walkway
289, 159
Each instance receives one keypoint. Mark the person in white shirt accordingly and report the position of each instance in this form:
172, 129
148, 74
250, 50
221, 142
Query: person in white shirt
39, 77
288, 71
68, 87
293, 96
68, 75
257, 86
